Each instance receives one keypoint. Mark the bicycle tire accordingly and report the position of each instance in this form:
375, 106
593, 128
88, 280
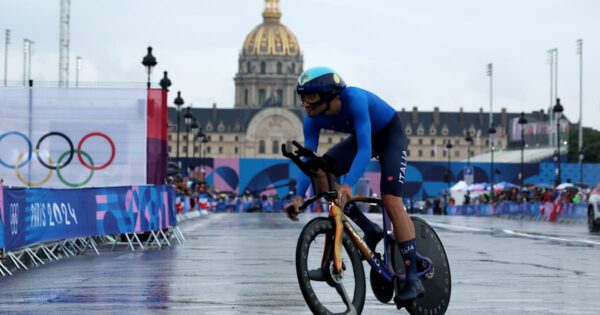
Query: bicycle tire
322, 228
438, 283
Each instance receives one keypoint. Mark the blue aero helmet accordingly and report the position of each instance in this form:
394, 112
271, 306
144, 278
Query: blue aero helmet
320, 80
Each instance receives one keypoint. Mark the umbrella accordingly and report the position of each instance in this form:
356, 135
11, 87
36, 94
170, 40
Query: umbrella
564, 186
505, 186
478, 187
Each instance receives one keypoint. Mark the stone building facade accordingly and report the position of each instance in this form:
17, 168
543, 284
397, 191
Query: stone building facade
267, 111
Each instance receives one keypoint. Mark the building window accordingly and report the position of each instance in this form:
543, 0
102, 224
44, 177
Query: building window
420, 141
185, 148
170, 148
329, 140
293, 67
407, 152
261, 147
262, 96
420, 153
487, 142
220, 150
195, 149
246, 97
263, 67
444, 153
207, 149
248, 67
236, 138
235, 150
457, 141
275, 148
220, 138
408, 140
456, 153
279, 68
432, 141
184, 138
432, 153
280, 95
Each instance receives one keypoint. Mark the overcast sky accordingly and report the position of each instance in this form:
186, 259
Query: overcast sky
411, 53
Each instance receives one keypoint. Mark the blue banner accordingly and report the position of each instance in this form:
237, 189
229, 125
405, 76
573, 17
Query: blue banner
530, 209
39, 215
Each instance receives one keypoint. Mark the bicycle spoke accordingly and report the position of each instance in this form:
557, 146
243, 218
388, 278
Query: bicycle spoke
342, 292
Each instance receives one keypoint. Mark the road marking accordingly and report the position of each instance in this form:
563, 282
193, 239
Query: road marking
543, 237
514, 233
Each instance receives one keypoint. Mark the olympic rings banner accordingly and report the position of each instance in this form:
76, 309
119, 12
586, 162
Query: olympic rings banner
40, 215
71, 138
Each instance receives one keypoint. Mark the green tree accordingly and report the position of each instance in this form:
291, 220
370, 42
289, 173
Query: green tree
591, 145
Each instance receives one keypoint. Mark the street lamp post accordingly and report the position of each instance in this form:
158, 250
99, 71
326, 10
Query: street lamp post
448, 147
149, 61
165, 82
557, 110
581, 156
78, 62
193, 129
580, 135
178, 102
522, 122
187, 120
28, 45
6, 43
492, 132
469, 141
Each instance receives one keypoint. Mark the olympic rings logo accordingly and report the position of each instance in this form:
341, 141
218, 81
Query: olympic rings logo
63, 160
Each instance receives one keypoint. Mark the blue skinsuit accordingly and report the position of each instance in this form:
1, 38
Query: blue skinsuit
363, 114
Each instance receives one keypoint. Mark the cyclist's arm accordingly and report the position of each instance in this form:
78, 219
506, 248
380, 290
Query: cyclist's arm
362, 124
311, 141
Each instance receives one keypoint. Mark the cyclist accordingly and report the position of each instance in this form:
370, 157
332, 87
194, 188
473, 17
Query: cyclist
375, 130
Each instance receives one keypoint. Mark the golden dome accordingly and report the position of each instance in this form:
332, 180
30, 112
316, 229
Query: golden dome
271, 38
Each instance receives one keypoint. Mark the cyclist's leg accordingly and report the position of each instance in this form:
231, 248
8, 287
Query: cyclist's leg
393, 173
341, 157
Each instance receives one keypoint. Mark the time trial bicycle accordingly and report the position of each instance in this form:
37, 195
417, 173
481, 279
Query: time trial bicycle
329, 254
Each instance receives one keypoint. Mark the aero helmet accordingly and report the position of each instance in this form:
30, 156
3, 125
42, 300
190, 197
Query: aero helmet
320, 80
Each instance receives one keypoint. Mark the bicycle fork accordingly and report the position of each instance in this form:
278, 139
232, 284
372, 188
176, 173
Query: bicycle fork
337, 216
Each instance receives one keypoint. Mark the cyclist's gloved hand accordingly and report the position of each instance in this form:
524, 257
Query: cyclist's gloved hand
291, 209
344, 195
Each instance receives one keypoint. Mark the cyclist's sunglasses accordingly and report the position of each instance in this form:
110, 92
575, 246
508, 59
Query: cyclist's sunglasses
318, 103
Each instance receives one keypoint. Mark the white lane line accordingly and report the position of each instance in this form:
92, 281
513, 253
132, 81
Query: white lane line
543, 237
511, 232
459, 227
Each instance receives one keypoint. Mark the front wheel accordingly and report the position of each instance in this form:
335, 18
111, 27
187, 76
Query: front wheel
325, 291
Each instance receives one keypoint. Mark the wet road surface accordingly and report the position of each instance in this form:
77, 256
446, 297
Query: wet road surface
244, 264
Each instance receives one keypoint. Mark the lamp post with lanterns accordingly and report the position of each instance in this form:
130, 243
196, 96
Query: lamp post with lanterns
469, 141
149, 62
522, 122
178, 102
492, 133
188, 117
557, 110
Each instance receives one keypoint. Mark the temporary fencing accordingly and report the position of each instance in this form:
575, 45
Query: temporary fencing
38, 225
548, 211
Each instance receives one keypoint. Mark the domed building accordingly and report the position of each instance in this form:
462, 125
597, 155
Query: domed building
269, 64
267, 112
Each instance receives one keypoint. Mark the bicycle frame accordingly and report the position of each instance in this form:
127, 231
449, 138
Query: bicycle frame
339, 220
341, 223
